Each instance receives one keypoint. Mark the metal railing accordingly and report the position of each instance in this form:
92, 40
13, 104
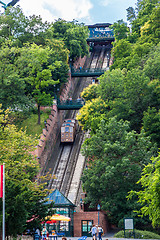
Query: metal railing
70, 104
86, 72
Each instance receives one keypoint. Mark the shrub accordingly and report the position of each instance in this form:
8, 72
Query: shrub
138, 234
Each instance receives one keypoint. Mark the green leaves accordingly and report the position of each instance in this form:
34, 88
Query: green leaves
122, 115
115, 159
149, 196
74, 35
24, 196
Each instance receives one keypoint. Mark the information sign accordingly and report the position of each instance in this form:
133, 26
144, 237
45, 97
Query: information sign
128, 223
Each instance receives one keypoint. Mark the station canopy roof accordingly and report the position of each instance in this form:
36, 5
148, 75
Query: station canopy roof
59, 199
99, 25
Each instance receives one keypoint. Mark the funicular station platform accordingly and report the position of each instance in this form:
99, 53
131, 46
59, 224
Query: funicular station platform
99, 34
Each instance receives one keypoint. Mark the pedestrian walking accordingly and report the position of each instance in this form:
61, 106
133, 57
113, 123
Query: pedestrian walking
44, 233
94, 232
100, 232
70, 100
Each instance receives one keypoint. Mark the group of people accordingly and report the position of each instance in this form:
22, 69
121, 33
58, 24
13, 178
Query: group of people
44, 234
38, 235
96, 231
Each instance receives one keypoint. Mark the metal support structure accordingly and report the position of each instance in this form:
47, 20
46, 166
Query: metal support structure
12, 3
87, 72
70, 104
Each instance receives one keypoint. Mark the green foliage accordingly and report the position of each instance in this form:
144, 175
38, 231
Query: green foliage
131, 14
151, 124
21, 29
120, 29
111, 85
151, 67
24, 196
116, 159
91, 114
12, 85
144, 11
89, 92
149, 195
34, 66
138, 234
121, 52
73, 34
150, 32
127, 95
124, 112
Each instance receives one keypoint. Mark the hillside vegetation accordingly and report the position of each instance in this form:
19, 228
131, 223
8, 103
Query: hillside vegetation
34, 66
122, 114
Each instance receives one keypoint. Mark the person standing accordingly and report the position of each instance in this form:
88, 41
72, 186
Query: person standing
100, 232
37, 234
94, 232
44, 233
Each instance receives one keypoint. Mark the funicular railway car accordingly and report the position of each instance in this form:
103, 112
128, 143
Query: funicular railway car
68, 130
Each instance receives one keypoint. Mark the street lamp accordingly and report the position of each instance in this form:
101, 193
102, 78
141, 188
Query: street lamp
98, 208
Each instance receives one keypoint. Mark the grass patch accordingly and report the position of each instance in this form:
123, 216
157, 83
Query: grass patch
138, 234
29, 122
31, 125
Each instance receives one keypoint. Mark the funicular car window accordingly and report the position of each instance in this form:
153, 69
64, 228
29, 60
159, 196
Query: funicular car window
71, 129
63, 129
66, 129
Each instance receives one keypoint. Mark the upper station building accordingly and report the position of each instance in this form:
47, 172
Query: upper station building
100, 34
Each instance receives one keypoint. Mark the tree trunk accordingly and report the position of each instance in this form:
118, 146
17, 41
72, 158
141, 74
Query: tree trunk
39, 115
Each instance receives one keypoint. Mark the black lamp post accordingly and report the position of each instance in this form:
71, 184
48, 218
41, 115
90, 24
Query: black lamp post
98, 208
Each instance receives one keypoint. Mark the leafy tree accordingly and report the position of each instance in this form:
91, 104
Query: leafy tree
13, 23
73, 34
131, 14
34, 66
137, 93
116, 157
24, 196
121, 52
144, 10
89, 92
139, 55
91, 114
150, 32
12, 85
21, 29
151, 124
111, 85
151, 66
120, 30
148, 197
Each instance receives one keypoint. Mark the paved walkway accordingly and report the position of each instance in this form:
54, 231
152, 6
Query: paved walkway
105, 238
109, 236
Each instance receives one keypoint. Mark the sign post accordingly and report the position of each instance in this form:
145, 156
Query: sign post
2, 195
129, 225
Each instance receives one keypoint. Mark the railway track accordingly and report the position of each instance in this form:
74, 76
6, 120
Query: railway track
63, 170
